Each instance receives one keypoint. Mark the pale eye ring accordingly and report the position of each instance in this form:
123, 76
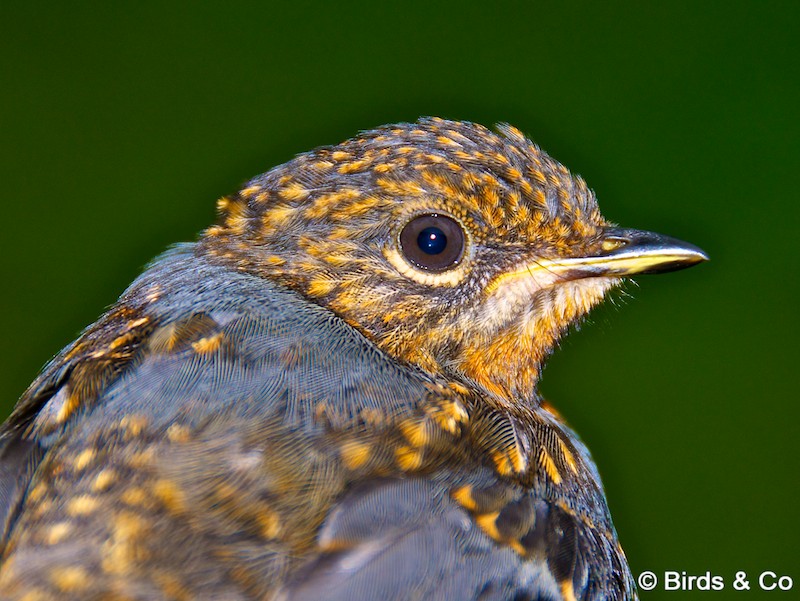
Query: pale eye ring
432, 242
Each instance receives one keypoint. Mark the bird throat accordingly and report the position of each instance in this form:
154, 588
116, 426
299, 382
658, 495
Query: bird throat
507, 349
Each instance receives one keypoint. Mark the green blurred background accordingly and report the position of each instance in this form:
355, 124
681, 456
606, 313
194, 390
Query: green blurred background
120, 126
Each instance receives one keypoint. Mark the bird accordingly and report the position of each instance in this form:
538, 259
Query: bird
333, 392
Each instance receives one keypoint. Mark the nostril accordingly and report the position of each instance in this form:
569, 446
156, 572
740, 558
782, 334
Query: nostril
614, 243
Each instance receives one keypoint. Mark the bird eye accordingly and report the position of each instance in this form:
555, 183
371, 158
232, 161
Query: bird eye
432, 242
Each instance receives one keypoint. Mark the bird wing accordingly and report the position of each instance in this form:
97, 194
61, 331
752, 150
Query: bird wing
406, 539
410, 539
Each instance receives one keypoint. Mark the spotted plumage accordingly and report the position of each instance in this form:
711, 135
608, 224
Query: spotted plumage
332, 394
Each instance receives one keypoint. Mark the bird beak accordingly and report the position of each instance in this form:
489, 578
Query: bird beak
620, 252
625, 252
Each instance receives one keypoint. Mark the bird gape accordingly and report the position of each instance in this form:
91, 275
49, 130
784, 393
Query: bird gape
332, 394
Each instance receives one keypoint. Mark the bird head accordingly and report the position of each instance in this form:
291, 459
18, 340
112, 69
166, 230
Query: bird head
464, 252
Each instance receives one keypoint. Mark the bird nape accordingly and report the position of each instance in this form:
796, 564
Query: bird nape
332, 394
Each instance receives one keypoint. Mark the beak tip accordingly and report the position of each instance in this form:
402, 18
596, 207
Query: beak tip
689, 257
693, 255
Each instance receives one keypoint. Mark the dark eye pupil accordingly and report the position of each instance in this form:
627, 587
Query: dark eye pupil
432, 241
